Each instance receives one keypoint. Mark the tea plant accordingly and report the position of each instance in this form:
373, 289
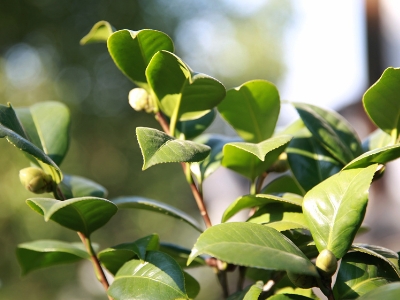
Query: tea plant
300, 225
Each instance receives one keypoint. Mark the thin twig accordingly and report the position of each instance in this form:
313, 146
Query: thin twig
164, 124
223, 280
240, 282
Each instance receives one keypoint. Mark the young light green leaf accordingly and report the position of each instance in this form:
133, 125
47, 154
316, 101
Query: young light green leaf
289, 297
360, 273
381, 102
47, 126
45, 253
181, 255
380, 156
133, 50
156, 206
157, 278
232, 243
98, 34
377, 139
115, 257
76, 186
285, 183
249, 201
182, 94
331, 130
252, 292
335, 209
191, 285
388, 291
252, 109
158, 147
85, 214
251, 160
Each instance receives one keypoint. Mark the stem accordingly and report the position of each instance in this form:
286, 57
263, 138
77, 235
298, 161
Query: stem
164, 124
240, 282
253, 187
222, 278
268, 287
260, 182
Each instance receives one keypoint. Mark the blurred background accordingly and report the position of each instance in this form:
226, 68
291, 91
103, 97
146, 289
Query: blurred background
322, 52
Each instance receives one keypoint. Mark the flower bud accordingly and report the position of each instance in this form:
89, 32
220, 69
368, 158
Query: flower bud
139, 99
326, 263
281, 165
36, 180
302, 281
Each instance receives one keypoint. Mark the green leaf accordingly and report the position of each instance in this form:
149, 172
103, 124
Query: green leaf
158, 147
191, 285
212, 162
47, 126
115, 257
158, 278
133, 50
388, 291
251, 160
285, 183
76, 186
377, 139
193, 128
381, 102
182, 94
331, 130
252, 109
85, 214
252, 292
99, 33
380, 156
232, 243
45, 253
289, 297
156, 206
310, 162
249, 201
335, 209
181, 255
360, 273
12, 130
303, 240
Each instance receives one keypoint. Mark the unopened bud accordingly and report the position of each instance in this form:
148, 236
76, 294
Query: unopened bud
326, 263
36, 180
139, 99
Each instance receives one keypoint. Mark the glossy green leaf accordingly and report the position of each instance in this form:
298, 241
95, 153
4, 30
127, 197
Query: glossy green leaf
285, 183
12, 130
158, 278
45, 253
181, 255
249, 201
187, 130
158, 147
156, 206
182, 94
360, 273
47, 126
289, 297
115, 257
335, 209
232, 243
192, 286
379, 156
252, 292
212, 162
381, 102
389, 291
133, 50
377, 139
310, 162
76, 186
252, 109
98, 34
331, 130
85, 214
303, 240
251, 160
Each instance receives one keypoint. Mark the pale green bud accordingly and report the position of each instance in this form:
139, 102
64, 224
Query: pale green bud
139, 99
326, 263
36, 180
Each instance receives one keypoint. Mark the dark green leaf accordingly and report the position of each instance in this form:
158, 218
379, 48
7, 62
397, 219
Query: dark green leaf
181, 255
360, 273
335, 209
115, 257
252, 292
191, 285
133, 50
381, 102
158, 278
303, 240
76, 186
389, 291
331, 130
99, 33
377, 139
251, 160
85, 214
232, 243
252, 109
45, 253
156, 206
285, 183
158, 147
193, 128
